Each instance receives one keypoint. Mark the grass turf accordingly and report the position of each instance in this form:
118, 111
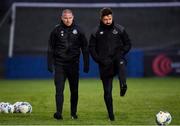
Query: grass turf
145, 97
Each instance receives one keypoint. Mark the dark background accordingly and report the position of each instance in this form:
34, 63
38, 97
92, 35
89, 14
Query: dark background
150, 29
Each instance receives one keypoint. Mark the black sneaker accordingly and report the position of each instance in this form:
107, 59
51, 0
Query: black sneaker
74, 117
111, 118
58, 116
123, 90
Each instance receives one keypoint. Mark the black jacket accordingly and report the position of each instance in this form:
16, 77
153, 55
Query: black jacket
65, 45
108, 43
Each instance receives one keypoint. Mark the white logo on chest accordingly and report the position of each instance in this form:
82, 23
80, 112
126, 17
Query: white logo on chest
62, 33
114, 31
101, 32
74, 31
121, 62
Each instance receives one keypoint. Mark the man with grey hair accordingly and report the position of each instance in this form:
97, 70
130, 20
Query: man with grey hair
66, 42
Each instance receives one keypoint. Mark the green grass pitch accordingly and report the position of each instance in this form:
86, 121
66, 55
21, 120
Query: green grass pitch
145, 97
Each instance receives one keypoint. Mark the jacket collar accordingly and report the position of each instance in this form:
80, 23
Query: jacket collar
108, 27
68, 27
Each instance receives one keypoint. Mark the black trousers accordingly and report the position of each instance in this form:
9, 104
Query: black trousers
118, 67
63, 72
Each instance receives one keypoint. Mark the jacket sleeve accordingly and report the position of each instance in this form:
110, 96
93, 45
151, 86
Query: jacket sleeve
126, 42
85, 52
92, 48
50, 52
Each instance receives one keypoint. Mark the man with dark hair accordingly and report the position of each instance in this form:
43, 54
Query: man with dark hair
108, 45
65, 44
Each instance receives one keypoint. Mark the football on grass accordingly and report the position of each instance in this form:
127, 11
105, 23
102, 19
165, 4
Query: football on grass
163, 118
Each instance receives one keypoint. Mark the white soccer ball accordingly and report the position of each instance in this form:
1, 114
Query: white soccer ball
16, 107
6, 107
1, 106
25, 107
163, 118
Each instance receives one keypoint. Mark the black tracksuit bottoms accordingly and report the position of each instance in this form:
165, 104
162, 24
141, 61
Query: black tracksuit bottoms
120, 67
63, 72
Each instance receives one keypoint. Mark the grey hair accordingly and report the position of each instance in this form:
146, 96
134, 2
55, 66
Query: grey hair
66, 11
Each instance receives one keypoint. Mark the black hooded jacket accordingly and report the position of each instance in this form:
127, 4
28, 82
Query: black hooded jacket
108, 43
65, 45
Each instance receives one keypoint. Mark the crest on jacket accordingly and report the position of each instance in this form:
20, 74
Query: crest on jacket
101, 32
74, 31
62, 33
115, 31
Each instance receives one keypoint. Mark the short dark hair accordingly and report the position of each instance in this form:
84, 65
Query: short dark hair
105, 12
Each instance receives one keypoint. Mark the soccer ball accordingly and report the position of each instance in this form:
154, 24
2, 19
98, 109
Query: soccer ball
6, 107
16, 107
22, 107
163, 118
1, 106
25, 107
